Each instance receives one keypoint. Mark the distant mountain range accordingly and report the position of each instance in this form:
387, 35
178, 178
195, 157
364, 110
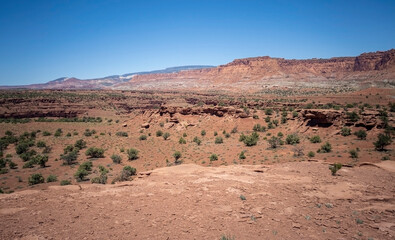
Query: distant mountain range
100, 83
374, 69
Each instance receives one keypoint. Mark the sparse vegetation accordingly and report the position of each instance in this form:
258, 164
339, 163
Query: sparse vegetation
116, 158
352, 116
325, 148
213, 157
94, 152
177, 156
36, 178
132, 154
249, 140
275, 142
143, 137
383, 140
80, 144
345, 131
166, 135
52, 178
219, 140
353, 153
315, 139
292, 139
182, 141
159, 133
335, 167
69, 158
65, 182
361, 134
122, 134
197, 140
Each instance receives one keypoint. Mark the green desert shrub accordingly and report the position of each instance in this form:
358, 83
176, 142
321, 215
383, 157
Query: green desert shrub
166, 135
125, 174
292, 139
69, 148
41, 160
335, 167
132, 154
81, 174
65, 182
383, 140
46, 133
361, 134
89, 132
21, 148
29, 164
94, 152
52, 178
345, 131
12, 165
353, 153
268, 111
116, 158
182, 141
41, 144
58, 132
249, 140
218, 140
352, 116
122, 134
36, 178
242, 155
213, 157
177, 156
203, 133
311, 154
315, 139
86, 166
325, 148
197, 140
159, 133
69, 158
143, 137
101, 179
275, 142
259, 128
131, 170
80, 144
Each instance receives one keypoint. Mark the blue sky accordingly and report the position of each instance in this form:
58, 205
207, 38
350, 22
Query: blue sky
44, 40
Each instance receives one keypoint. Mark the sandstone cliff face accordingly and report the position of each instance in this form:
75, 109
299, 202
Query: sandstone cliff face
375, 61
251, 73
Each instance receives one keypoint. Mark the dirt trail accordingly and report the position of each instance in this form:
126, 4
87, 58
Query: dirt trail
283, 201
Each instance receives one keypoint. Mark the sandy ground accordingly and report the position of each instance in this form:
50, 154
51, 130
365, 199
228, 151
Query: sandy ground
295, 200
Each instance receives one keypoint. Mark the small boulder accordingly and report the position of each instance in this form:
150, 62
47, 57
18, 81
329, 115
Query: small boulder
145, 125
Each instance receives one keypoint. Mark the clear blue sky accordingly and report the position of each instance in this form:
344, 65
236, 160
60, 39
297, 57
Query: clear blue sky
44, 40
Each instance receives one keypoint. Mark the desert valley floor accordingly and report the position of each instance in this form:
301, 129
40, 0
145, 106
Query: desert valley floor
107, 164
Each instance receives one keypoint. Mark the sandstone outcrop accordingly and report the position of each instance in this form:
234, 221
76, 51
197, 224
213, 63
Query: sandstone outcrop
218, 111
326, 118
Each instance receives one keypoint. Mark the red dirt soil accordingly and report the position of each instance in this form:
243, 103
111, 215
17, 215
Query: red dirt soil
283, 201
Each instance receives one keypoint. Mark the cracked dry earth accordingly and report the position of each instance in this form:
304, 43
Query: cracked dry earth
296, 200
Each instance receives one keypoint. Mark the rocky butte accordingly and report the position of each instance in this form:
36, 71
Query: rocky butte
367, 69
